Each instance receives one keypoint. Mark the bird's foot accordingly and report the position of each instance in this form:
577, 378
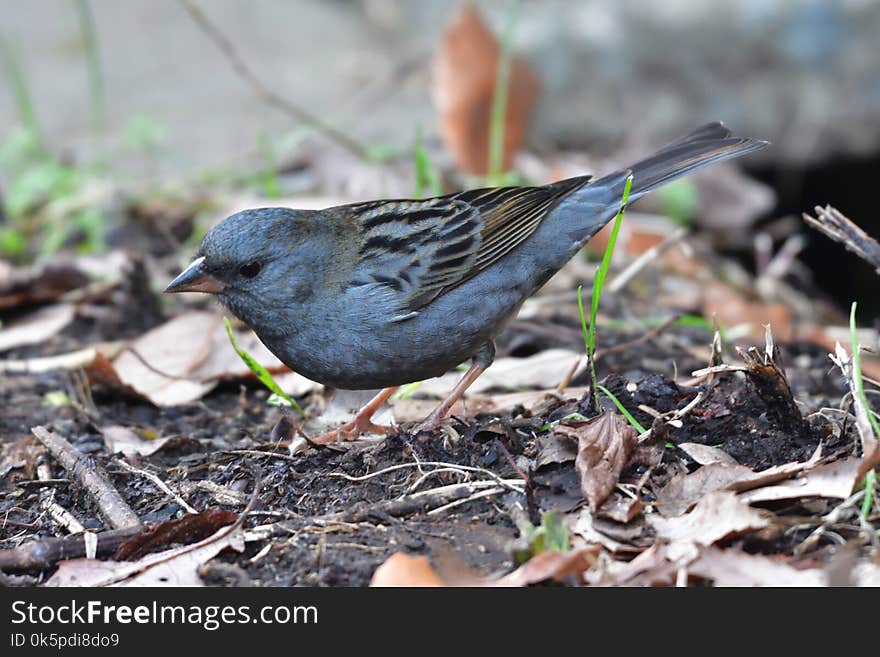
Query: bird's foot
351, 431
433, 422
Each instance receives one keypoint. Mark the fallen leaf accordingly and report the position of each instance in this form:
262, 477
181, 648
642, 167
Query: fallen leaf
542, 370
704, 454
412, 410
605, 444
620, 508
552, 565
732, 307
613, 536
184, 358
464, 86
32, 285
653, 567
554, 448
401, 569
731, 567
36, 326
836, 479
127, 442
186, 530
176, 567
717, 516
685, 489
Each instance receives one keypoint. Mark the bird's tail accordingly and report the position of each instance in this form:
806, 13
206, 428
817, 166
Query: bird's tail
710, 143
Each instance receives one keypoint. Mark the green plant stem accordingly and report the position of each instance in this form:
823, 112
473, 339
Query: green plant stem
629, 417
857, 370
23, 101
870, 479
598, 283
868, 501
96, 78
261, 372
498, 116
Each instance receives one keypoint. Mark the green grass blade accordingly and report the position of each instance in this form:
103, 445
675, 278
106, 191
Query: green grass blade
598, 283
498, 114
857, 369
93, 60
871, 477
259, 371
629, 418
426, 174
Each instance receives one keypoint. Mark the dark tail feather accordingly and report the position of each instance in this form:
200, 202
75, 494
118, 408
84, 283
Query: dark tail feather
710, 143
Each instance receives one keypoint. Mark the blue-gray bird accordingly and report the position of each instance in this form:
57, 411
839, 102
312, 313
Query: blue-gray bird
382, 293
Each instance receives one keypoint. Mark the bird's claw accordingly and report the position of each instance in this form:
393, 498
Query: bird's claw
351, 431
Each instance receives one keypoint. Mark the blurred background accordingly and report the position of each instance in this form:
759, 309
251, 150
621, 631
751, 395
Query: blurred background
121, 119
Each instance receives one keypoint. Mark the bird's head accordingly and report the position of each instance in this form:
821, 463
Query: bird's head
256, 262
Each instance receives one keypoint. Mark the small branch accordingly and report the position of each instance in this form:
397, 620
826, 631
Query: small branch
56, 512
262, 91
423, 502
45, 553
112, 507
833, 223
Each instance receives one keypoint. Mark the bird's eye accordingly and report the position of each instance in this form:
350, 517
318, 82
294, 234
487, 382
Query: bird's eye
250, 270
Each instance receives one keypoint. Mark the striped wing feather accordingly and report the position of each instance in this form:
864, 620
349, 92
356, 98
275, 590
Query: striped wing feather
422, 249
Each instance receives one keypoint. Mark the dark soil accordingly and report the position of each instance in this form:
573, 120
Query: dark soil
333, 531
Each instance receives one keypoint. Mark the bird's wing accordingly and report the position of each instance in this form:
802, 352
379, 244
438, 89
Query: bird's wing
419, 250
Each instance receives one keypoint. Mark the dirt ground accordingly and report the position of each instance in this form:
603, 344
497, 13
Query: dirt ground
477, 497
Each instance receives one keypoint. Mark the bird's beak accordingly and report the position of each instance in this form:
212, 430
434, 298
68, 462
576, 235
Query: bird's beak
195, 279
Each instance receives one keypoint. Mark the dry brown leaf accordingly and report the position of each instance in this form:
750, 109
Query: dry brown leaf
836, 479
734, 568
605, 444
542, 370
732, 307
181, 360
37, 326
127, 442
685, 489
464, 85
776, 473
705, 454
653, 567
717, 516
176, 567
552, 565
554, 448
401, 569
620, 508
32, 285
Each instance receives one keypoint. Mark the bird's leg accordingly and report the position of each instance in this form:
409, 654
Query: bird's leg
481, 360
362, 422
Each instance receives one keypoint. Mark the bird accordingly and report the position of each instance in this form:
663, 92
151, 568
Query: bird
382, 293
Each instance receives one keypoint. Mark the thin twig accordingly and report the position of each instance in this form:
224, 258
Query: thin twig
161, 485
424, 501
56, 512
833, 223
420, 464
471, 498
265, 93
91, 475
46, 552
